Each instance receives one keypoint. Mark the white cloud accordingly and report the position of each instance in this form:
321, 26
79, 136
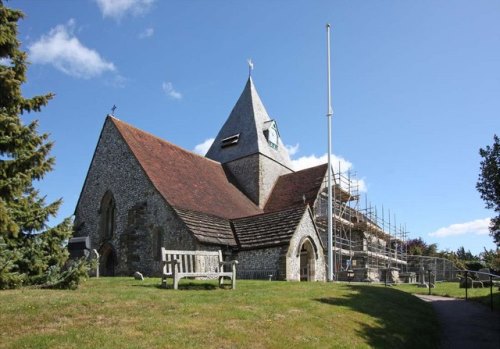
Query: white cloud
148, 32
65, 52
119, 8
168, 88
313, 160
304, 162
308, 161
202, 148
338, 163
292, 149
477, 227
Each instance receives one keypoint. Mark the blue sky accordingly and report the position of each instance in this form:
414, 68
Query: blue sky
416, 89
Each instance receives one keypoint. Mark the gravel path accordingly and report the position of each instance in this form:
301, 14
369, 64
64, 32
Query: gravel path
465, 324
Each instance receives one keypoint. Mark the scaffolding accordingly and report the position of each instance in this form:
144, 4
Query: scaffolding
367, 242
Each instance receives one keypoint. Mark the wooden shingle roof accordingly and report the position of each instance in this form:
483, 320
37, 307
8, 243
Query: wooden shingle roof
248, 119
268, 229
208, 228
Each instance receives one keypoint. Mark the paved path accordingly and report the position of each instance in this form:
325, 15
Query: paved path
465, 324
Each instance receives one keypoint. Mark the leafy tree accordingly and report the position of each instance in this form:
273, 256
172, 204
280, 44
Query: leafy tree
467, 260
488, 184
29, 251
465, 255
418, 247
491, 258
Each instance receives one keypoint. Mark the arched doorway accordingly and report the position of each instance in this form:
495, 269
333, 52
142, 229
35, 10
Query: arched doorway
307, 261
107, 261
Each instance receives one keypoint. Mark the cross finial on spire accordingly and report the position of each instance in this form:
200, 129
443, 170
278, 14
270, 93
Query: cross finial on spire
113, 110
250, 66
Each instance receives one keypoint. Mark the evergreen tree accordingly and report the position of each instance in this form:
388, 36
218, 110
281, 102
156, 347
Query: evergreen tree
488, 184
29, 251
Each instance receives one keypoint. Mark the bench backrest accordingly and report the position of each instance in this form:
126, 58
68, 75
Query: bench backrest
192, 261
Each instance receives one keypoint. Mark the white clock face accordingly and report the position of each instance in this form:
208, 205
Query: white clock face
273, 136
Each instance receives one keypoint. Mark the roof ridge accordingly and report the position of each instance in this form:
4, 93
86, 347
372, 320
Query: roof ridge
116, 120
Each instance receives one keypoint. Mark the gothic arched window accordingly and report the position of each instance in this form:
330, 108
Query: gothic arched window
108, 216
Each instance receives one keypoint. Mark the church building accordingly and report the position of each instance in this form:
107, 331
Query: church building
142, 193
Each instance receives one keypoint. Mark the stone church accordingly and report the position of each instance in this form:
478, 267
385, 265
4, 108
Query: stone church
142, 192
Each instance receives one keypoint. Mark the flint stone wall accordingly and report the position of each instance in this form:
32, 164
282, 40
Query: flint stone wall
259, 264
305, 229
256, 175
139, 208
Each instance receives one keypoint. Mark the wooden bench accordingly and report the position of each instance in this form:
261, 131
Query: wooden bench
193, 264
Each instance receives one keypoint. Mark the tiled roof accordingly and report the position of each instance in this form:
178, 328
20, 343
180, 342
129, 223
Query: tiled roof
213, 209
207, 228
186, 180
291, 189
268, 229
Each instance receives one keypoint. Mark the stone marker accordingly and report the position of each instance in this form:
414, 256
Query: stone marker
138, 276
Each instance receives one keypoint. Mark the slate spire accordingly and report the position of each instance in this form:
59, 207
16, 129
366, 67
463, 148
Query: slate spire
247, 131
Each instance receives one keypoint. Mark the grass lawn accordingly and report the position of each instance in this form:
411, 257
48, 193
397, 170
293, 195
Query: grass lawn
125, 313
451, 289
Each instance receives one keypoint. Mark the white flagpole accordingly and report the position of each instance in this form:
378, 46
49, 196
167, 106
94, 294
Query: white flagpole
330, 199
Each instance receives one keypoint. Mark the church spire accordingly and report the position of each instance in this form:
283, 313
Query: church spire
249, 130
250, 148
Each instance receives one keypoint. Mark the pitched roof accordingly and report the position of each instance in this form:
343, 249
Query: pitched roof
292, 188
268, 229
212, 208
208, 228
186, 180
248, 120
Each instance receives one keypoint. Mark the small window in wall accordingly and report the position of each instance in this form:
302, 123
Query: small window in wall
229, 141
108, 216
157, 243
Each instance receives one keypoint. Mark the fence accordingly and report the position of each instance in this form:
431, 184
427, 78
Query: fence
443, 269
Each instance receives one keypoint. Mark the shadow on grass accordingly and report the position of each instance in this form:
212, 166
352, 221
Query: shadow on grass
148, 285
187, 285
402, 320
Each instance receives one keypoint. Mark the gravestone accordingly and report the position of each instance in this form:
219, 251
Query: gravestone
138, 276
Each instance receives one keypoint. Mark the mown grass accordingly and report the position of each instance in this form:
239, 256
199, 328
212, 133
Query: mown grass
451, 289
125, 313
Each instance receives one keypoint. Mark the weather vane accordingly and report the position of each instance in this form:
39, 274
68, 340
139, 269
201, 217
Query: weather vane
113, 110
250, 66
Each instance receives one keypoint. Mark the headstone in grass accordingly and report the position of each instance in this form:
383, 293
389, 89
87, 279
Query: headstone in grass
138, 276
422, 282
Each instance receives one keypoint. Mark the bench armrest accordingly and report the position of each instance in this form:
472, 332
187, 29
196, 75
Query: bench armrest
233, 262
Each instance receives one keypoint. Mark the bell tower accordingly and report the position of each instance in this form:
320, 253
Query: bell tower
250, 147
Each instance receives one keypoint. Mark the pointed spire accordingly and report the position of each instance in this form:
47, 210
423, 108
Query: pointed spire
245, 132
